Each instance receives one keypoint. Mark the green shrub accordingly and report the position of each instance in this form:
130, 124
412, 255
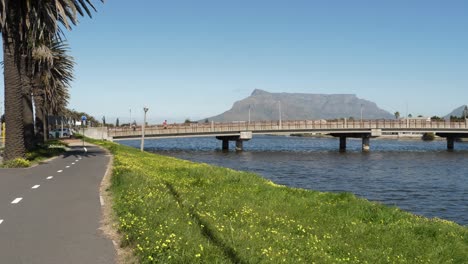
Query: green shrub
17, 163
47, 150
428, 136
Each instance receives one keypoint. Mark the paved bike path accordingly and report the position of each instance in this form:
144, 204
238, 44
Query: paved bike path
50, 213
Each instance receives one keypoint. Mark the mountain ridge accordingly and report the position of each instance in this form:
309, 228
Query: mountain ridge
458, 112
265, 106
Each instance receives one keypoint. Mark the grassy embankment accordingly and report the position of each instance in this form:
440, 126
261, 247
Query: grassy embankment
175, 211
42, 152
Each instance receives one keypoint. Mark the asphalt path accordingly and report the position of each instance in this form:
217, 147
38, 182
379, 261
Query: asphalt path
50, 213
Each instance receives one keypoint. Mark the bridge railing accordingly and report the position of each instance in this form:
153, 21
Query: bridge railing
296, 125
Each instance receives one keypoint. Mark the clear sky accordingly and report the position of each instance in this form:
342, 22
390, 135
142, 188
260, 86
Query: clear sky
194, 59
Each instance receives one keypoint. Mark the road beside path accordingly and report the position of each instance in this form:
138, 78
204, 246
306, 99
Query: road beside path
51, 213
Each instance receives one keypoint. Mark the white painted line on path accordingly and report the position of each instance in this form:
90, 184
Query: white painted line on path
76, 160
85, 149
1, 221
101, 200
35, 187
59, 171
17, 200
50, 177
67, 167
73, 163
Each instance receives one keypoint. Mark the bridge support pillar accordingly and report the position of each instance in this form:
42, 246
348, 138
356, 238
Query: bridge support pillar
342, 144
365, 143
239, 145
225, 144
450, 143
243, 136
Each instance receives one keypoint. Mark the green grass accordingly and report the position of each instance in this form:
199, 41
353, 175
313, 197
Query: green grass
47, 150
175, 211
42, 152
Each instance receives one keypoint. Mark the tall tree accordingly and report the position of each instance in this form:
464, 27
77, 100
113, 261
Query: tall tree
53, 73
397, 115
28, 113
23, 24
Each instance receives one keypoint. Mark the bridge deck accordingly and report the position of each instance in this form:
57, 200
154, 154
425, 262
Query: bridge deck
460, 129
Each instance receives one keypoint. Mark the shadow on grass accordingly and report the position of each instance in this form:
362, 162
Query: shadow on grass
206, 231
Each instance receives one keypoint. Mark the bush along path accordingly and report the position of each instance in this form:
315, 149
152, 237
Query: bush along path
40, 153
176, 211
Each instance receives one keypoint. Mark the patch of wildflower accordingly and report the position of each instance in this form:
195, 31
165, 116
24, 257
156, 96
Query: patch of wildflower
175, 211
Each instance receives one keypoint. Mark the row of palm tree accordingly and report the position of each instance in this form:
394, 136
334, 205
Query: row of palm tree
75, 116
37, 67
52, 74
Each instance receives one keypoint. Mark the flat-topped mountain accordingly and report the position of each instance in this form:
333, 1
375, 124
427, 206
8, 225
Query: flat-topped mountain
458, 112
301, 106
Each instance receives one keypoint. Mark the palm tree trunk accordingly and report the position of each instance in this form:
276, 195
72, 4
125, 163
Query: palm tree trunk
46, 125
28, 113
45, 111
39, 107
14, 138
28, 119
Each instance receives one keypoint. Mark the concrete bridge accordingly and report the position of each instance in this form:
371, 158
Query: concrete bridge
243, 131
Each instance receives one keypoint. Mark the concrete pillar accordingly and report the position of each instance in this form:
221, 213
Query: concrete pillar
244, 136
225, 144
342, 143
450, 143
239, 145
365, 143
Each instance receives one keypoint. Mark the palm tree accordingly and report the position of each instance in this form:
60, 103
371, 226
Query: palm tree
28, 118
53, 73
23, 24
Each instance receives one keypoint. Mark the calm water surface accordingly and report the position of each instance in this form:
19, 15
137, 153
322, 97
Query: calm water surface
420, 177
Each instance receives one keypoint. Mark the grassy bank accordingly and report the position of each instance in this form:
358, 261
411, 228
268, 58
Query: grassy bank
175, 211
42, 152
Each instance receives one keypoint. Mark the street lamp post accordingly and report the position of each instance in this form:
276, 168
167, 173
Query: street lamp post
145, 109
279, 108
361, 113
130, 123
249, 114
407, 116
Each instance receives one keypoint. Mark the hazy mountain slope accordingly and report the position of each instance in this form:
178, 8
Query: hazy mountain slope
299, 106
456, 112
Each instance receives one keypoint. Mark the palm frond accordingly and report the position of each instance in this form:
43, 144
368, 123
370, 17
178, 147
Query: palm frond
26, 22
54, 74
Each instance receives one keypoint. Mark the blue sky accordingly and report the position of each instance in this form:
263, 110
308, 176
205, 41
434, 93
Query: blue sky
194, 59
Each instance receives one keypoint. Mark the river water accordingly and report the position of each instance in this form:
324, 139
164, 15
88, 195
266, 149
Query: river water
421, 177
